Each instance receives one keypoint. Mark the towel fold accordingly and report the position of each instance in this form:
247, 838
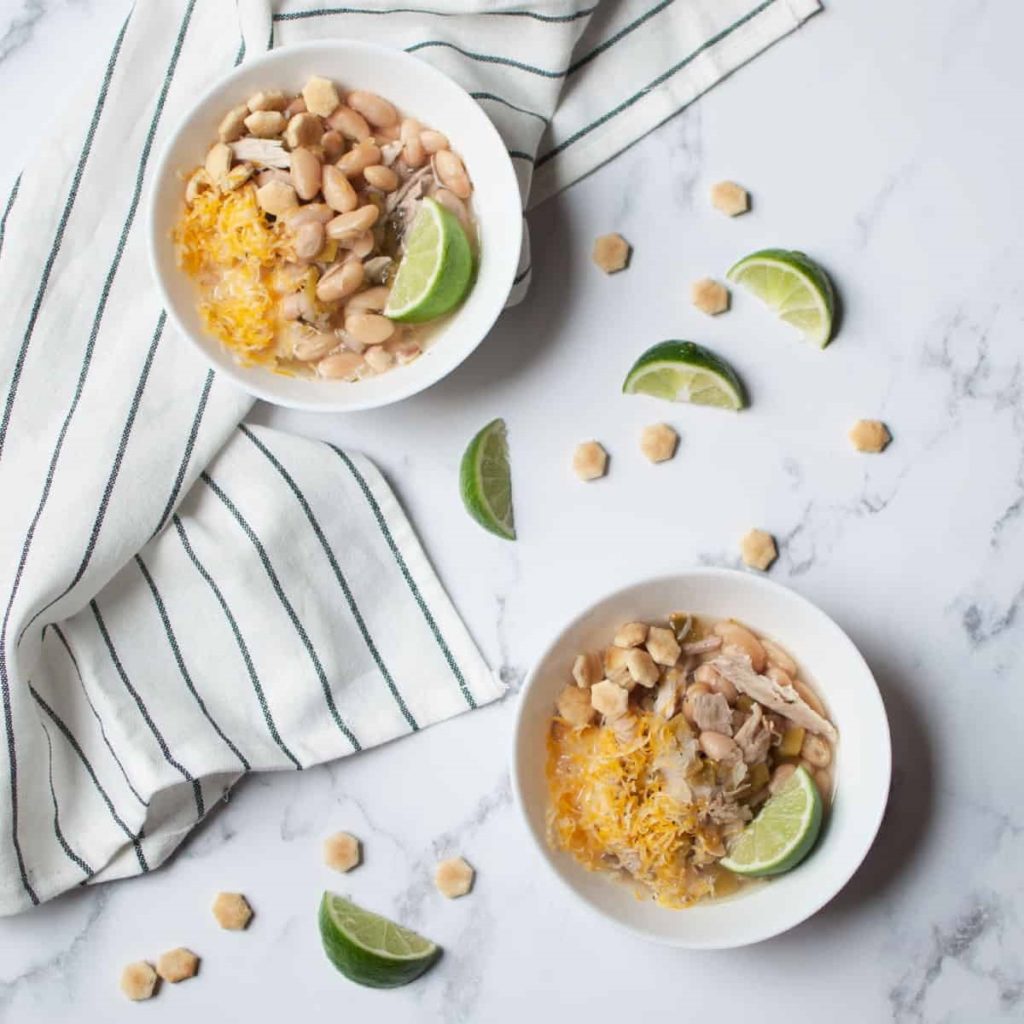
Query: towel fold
185, 600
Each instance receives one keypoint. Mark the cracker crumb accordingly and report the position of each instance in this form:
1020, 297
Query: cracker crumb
658, 442
709, 296
631, 634
610, 699
232, 911
589, 461
342, 851
869, 435
177, 965
320, 96
641, 667
758, 550
662, 646
575, 707
611, 253
453, 877
730, 198
138, 980
587, 670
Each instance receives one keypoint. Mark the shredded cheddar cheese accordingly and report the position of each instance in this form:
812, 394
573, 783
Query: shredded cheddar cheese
610, 810
228, 246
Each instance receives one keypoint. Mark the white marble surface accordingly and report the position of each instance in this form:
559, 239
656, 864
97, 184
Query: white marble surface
883, 138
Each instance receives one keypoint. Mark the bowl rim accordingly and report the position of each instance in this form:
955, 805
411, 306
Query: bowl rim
858, 852
506, 269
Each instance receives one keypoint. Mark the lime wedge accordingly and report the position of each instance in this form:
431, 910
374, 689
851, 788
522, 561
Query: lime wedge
783, 832
435, 271
369, 949
486, 482
682, 371
794, 286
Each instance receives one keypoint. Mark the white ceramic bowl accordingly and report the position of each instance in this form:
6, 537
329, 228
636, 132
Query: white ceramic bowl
827, 658
419, 90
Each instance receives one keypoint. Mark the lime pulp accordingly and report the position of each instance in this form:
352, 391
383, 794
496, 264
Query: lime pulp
782, 834
792, 284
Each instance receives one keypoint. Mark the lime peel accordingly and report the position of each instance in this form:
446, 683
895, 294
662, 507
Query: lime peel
792, 284
485, 480
369, 949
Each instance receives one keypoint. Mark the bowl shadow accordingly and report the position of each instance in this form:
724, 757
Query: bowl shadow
525, 330
909, 811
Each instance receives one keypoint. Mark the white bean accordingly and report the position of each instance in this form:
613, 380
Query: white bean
777, 656
358, 158
360, 246
369, 328
338, 191
313, 345
816, 750
381, 177
413, 152
341, 366
306, 171
276, 198
433, 142
452, 173
353, 223
369, 300
717, 745
319, 212
309, 240
379, 359
349, 123
374, 108
333, 146
735, 635
340, 281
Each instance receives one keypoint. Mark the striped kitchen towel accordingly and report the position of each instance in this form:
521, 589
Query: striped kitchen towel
185, 600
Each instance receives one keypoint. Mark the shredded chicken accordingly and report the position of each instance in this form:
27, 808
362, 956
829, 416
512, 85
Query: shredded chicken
404, 198
666, 697
723, 811
783, 699
712, 713
675, 766
754, 737
709, 643
262, 153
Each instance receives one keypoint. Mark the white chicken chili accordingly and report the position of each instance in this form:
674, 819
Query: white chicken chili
326, 236
668, 742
